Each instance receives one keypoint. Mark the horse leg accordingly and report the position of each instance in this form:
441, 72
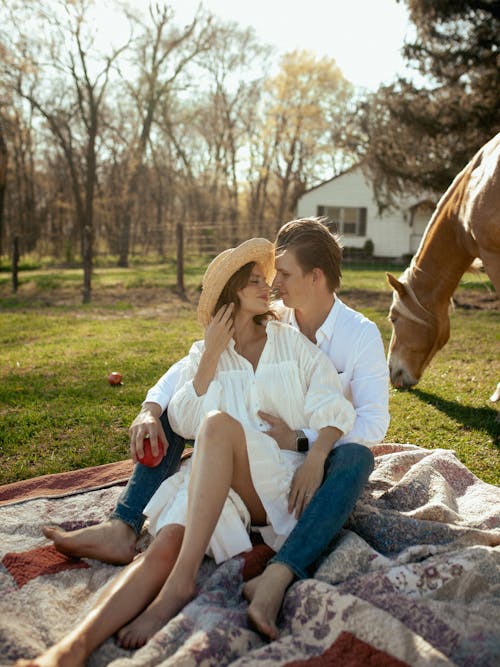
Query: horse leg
491, 263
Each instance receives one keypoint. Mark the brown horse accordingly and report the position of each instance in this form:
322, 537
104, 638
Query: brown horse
464, 226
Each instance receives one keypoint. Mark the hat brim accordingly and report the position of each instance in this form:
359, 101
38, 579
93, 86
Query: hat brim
225, 265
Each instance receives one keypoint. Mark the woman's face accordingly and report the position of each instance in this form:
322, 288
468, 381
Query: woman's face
254, 297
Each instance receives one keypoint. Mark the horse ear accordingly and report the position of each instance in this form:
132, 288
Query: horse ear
395, 284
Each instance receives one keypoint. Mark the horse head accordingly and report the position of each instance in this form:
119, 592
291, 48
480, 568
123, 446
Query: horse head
418, 332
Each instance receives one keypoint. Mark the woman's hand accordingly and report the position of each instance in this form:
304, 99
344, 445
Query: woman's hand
306, 482
217, 336
219, 331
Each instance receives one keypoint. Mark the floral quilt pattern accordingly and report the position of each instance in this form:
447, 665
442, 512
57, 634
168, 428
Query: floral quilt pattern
413, 579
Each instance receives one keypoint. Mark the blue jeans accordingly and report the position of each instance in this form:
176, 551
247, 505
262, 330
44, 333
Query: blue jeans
347, 469
145, 481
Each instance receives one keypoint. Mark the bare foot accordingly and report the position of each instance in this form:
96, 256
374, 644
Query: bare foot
265, 594
172, 598
110, 542
60, 655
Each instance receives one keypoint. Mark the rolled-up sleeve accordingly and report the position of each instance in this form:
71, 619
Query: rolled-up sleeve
369, 388
186, 409
163, 390
325, 403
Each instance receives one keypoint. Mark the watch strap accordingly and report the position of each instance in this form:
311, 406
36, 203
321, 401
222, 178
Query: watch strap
301, 441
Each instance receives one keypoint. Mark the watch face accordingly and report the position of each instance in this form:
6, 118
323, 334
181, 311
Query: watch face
302, 444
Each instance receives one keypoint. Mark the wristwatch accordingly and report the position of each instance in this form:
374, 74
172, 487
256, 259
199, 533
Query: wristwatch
301, 441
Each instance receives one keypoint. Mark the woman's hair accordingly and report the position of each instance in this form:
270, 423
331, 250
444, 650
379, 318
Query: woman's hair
229, 294
314, 246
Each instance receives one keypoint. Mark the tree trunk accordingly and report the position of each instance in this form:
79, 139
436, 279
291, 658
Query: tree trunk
124, 238
87, 263
126, 226
15, 263
3, 184
160, 236
179, 235
88, 222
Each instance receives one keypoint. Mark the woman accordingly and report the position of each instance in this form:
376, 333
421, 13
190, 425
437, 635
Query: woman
238, 476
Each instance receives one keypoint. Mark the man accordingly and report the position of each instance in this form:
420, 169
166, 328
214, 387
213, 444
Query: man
308, 261
308, 274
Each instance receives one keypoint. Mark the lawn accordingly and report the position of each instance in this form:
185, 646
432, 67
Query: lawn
58, 412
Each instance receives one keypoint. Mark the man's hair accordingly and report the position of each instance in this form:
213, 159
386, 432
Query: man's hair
229, 294
314, 246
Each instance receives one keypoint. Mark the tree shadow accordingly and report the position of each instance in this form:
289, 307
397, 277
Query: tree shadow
481, 419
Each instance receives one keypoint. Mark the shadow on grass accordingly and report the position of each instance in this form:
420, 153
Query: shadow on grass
481, 419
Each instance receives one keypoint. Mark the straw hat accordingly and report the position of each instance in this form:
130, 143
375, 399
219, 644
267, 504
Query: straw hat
225, 265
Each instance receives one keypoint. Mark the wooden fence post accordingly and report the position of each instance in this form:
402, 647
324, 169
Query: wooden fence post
179, 235
15, 263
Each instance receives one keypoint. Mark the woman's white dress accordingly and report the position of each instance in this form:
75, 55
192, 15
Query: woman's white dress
295, 381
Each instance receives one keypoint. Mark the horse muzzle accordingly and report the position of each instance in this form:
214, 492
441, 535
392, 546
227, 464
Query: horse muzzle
401, 379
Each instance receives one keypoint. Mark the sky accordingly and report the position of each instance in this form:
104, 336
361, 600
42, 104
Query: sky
365, 37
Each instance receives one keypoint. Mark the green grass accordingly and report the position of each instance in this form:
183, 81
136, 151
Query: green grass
58, 412
449, 408
143, 275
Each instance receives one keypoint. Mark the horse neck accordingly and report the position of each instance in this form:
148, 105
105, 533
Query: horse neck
441, 260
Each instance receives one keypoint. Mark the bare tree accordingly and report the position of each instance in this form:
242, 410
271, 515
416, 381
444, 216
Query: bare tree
163, 53
187, 159
21, 215
65, 80
235, 64
3, 180
117, 145
293, 143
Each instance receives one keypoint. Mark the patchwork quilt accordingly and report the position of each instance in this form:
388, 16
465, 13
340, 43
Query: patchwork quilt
413, 579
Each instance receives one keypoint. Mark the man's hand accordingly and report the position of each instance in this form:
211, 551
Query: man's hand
146, 423
279, 431
309, 477
306, 482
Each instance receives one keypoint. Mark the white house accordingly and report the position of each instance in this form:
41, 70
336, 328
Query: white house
348, 201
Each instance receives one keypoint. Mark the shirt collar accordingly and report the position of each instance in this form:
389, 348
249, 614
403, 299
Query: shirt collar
325, 332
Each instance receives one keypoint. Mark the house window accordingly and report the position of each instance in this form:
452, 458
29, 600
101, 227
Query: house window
346, 220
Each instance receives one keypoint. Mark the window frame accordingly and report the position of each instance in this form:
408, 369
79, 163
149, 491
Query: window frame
338, 226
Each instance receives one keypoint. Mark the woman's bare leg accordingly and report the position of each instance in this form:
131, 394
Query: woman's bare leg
219, 463
122, 599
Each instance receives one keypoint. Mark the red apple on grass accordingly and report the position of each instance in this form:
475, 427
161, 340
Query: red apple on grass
149, 459
115, 378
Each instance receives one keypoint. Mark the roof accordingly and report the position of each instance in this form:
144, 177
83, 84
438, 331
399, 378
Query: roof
334, 178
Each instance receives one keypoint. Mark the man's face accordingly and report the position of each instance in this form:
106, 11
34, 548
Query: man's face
291, 282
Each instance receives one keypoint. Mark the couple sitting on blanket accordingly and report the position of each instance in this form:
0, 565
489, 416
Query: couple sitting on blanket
281, 416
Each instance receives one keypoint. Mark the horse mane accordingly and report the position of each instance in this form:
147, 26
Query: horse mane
456, 191
447, 207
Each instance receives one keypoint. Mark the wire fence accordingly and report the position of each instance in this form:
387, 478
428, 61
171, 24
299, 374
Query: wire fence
162, 243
